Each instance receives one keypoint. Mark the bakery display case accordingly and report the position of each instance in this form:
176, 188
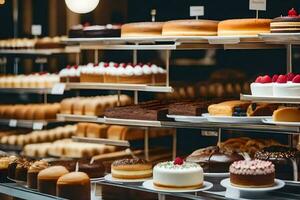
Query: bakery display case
112, 136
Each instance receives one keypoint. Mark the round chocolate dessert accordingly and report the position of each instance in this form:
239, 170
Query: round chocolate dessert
97, 31
76, 31
285, 159
131, 169
252, 173
21, 170
213, 159
286, 24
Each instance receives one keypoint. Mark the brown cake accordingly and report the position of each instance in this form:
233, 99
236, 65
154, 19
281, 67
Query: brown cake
234, 27
4, 163
21, 171
75, 186
142, 29
47, 179
229, 108
12, 167
190, 28
287, 114
188, 108
285, 159
33, 172
131, 169
252, 173
261, 109
214, 160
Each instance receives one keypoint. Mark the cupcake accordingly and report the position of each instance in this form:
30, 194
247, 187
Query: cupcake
33, 172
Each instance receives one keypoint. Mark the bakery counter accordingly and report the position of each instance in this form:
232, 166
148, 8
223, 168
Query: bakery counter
113, 86
14, 190
173, 43
288, 192
169, 124
281, 38
270, 99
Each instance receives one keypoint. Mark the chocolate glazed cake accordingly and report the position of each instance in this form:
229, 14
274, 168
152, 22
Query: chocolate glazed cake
286, 24
213, 160
285, 159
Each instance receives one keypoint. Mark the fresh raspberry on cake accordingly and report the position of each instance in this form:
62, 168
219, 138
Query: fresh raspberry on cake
258, 79
266, 79
292, 13
178, 161
282, 79
274, 78
290, 76
296, 79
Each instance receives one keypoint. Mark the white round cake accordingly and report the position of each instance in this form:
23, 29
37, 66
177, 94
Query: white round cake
178, 174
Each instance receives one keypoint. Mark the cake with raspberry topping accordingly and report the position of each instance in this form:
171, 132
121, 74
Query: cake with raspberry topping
286, 24
263, 86
252, 173
287, 86
178, 174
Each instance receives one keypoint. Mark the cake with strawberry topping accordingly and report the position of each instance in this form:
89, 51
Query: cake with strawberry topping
287, 86
252, 173
263, 86
70, 74
286, 24
178, 174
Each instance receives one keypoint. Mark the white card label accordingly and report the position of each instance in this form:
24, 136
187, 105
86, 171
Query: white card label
36, 29
37, 126
196, 11
258, 4
12, 123
58, 88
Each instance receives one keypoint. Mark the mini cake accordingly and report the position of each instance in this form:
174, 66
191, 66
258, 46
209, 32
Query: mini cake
76, 31
229, 108
286, 24
142, 29
47, 179
178, 174
131, 169
235, 27
4, 163
12, 167
21, 171
33, 172
252, 173
262, 86
285, 159
287, 86
213, 159
75, 186
190, 28
70, 74
287, 114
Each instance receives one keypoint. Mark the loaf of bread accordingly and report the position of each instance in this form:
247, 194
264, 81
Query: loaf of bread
287, 114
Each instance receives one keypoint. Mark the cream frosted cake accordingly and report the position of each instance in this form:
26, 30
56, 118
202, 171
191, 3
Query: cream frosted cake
178, 174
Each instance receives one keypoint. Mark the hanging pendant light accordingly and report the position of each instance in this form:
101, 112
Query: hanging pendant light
82, 6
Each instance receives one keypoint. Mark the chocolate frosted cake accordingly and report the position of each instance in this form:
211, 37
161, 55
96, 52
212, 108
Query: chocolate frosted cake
196, 108
97, 31
252, 173
285, 159
286, 24
213, 159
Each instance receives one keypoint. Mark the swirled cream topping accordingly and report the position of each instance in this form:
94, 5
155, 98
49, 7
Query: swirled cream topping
252, 167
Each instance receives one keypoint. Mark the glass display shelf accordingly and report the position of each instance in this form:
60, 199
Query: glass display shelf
270, 99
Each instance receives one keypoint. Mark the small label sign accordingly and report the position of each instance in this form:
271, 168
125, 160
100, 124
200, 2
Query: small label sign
258, 4
12, 123
36, 30
37, 126
196, 11
58, 89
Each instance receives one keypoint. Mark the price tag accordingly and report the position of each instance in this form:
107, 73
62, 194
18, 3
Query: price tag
37, 126
58, 88
12, 123
36, 30
196, 11
258, 4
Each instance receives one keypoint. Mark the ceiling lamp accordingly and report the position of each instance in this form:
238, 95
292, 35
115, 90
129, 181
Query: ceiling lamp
82, 6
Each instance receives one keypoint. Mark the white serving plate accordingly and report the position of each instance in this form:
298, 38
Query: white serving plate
109, 178
192, 119
217, 175
270, 121
278, 184
149, 185
230, 119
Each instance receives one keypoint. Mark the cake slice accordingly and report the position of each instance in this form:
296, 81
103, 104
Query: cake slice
261, 109
229, 108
